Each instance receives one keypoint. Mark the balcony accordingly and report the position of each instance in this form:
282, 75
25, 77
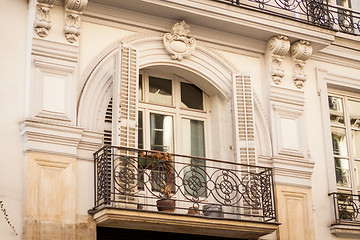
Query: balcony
205, 196
314, 12
346, 208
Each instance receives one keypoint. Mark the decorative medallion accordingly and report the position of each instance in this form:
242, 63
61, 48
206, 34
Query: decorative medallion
177, 43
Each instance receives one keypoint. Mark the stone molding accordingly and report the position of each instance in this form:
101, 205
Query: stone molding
278, 46
54, 138
42, 23
300, 51
177, 42
72, 28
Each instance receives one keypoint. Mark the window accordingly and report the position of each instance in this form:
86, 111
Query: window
345, 131
173, 114
345, 15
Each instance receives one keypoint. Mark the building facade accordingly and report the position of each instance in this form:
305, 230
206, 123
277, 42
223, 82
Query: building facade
240, 114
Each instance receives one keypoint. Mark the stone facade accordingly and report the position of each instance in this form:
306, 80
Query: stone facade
267, 79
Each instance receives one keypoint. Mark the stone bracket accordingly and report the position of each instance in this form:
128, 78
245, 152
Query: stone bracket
300, 52
279, 46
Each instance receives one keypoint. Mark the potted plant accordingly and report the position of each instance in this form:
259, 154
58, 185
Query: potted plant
162, 177
166, 204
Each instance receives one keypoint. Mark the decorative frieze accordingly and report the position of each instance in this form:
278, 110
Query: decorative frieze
300, 52
177, 43
278, 46
42, 23
73, 10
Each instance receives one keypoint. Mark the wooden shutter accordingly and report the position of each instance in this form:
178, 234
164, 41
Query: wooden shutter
245, 138
125, 94
244, 120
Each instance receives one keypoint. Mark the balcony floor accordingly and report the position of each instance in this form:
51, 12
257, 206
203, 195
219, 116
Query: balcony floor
181, 223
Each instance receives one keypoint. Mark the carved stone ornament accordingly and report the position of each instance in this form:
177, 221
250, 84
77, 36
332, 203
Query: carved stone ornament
72, 19
300, 52
279, 46
42, 23
72, 27
177, 43
75, 5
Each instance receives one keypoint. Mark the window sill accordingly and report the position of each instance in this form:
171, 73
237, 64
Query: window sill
345, 231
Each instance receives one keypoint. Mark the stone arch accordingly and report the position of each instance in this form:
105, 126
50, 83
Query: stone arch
215, 71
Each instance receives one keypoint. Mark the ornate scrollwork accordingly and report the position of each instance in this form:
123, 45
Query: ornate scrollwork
177, 43
300, 52
192, 182
279, 46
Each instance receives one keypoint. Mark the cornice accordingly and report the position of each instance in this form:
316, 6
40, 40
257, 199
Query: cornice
53, 137
211, 15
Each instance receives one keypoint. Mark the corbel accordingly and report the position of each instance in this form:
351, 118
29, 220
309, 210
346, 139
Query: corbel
42, 23
73, 10
300, 52
278, 46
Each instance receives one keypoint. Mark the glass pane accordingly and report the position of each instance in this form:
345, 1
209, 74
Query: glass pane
140, 88
336, 110
356, 143
161, 135
354, 111
191, 96
140, 130
339, 141
342, 171
194, 145
357, 165
160, 91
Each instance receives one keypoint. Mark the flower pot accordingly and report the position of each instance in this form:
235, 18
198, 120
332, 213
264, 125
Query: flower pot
213, 210
193, 211
166, 205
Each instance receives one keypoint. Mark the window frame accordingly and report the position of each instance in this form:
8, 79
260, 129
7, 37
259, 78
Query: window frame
353, 171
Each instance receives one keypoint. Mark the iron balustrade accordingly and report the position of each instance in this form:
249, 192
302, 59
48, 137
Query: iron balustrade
136, 179
346, 209
315, 12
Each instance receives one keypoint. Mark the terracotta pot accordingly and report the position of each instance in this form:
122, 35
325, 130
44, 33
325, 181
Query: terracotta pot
193, 211
166, 205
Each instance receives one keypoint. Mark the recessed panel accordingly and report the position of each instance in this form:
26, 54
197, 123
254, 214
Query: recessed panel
53, 94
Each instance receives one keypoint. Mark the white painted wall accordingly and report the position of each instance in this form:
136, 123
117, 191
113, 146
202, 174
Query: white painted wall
13, 18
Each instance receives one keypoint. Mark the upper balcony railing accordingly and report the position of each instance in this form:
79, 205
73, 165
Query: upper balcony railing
156, 181
315, 12
346, 209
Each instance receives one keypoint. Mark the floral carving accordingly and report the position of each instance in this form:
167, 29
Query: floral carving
72, 27
72, 20
42, 23
177, 43
300, 52
279, 46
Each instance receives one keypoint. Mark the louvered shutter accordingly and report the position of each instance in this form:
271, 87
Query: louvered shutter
244, 120
125, 98
124, 120
245, 140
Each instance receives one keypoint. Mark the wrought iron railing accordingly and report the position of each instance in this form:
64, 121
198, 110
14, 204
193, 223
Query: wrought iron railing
346, 208
315, 12
137, 179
